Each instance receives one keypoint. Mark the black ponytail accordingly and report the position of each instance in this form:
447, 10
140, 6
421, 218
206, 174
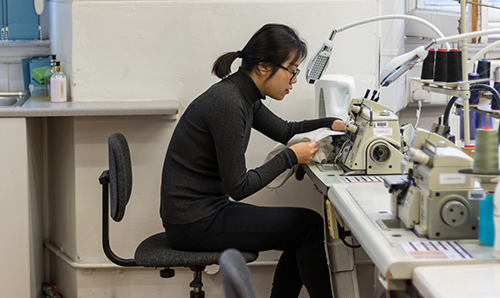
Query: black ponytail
222, 66
273, 44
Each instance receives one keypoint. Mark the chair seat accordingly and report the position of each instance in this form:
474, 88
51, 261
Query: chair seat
156, 251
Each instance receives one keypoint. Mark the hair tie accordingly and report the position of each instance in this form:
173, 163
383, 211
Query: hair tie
239, 54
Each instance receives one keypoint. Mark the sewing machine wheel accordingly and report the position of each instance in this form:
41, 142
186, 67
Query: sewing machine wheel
454, 213
380, 153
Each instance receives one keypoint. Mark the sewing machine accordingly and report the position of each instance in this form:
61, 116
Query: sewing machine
435, 200
372, 144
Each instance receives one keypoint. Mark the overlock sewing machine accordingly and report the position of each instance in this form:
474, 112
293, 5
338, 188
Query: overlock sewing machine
372, 144
435, 200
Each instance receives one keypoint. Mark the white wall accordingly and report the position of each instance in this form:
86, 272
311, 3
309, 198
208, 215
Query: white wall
154, 50
151, 51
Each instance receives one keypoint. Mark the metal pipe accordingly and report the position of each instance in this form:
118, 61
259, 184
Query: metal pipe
63, 256
465, 87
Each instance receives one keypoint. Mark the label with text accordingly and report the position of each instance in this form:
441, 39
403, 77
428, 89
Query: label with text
452, 178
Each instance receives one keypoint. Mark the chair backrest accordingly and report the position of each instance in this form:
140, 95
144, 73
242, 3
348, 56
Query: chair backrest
120, 175
236, 276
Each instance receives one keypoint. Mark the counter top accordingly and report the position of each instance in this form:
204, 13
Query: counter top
458, 281
37, 107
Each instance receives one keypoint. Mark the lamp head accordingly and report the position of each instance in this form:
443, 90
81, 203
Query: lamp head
318, 64
400, 65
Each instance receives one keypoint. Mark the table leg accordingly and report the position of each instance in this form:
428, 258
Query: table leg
340, 258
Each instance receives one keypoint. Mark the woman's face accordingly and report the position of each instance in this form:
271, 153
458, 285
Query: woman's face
281, 83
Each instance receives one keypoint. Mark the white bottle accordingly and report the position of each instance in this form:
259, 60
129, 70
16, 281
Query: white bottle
58, 91
48, 74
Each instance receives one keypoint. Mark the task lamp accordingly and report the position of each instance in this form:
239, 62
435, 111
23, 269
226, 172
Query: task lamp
318, 64
402, 64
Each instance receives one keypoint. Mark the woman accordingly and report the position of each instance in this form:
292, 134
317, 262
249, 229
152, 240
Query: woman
205, 166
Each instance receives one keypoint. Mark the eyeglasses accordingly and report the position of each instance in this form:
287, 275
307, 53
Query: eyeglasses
294, 73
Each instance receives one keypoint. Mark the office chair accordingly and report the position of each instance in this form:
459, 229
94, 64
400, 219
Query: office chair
236, 277
155, 251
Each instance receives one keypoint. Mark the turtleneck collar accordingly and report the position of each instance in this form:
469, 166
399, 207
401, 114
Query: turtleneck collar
247, 85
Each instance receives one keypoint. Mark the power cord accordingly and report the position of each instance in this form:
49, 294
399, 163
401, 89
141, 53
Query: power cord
343, 233
50, 291
418, 112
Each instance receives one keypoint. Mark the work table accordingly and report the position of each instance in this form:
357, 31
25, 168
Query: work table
363, 203
38, 107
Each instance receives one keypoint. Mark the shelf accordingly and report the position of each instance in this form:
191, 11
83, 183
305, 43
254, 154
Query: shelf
491, 113
451, 88
484, 107
448, 85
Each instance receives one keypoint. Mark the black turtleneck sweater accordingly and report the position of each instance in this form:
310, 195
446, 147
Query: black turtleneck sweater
205, 161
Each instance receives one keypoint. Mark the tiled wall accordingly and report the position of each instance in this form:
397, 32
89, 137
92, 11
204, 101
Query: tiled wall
11, 55
11, 77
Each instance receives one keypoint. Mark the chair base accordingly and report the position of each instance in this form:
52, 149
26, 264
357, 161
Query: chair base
194, 294
196, 283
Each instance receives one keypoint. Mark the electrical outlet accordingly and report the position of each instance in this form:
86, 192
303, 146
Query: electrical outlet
416, 93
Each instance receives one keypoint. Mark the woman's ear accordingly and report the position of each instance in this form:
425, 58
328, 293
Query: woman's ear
263, 68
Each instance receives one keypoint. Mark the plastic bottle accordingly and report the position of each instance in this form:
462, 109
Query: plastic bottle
496, 74
496, 219
486, 233
58, 91
47, 75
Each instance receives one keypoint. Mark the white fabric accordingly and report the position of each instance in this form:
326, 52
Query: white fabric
322, 136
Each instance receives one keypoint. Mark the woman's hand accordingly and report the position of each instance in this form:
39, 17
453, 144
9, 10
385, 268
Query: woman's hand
305, 151
339, 125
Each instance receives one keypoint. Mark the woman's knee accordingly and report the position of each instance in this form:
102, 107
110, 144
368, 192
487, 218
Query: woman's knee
314, 218
312, 224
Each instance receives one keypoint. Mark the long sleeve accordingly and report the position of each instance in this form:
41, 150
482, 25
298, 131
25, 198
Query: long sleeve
231, 137
282, 131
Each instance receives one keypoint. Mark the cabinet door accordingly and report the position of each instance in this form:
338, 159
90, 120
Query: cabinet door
3, 18
22, 19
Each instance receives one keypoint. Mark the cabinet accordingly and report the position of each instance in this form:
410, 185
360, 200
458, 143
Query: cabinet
50, 157
19, 20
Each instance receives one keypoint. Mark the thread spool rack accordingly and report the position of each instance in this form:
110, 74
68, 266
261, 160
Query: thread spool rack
488, 182
484, 107
455, 89
451, 88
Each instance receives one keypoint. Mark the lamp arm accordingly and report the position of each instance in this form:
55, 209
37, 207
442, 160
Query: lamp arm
482, 51
395, 16
464, 36
332, 35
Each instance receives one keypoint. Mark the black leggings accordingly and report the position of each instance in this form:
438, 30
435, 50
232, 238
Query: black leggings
298, 232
